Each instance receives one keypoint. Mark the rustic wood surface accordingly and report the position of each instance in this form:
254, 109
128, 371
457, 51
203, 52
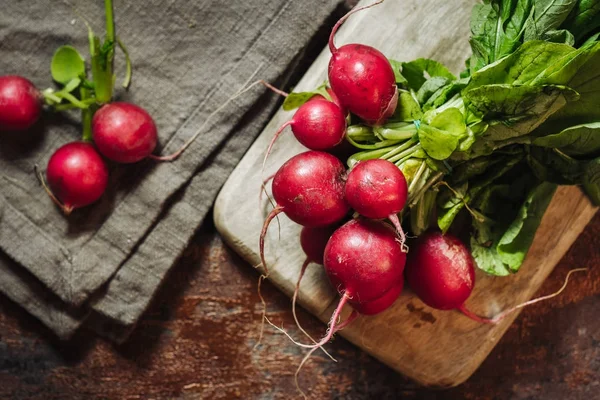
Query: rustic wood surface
407, 336
196, 340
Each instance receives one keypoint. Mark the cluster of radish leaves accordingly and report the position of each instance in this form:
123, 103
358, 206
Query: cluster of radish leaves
68, 69
494, 143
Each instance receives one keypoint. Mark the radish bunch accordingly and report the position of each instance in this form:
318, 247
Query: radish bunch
364, 258
77, 173
352, 219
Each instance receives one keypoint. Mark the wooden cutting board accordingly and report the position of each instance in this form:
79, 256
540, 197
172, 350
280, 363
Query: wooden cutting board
432, 347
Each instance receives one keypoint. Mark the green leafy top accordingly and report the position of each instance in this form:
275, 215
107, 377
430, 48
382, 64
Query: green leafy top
296, 99
67, 64
494, 144
68, 69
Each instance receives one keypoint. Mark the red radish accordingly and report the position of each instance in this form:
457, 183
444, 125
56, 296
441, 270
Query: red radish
440, 270
245, 88
309, 189
318, 124
124, 132
362, 78
377, 189
77, 176
364, 262
20, 103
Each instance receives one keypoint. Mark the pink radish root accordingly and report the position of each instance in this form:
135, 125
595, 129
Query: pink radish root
246, 87
332, 47
495, 320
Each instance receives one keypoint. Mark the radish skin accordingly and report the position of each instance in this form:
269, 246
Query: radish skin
124, 132
318, 124
20, 103
364, 260
377, 189
77, 176
440, 270
309, 189
362, 78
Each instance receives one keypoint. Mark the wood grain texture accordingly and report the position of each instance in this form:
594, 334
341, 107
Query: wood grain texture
196, 342
408, 336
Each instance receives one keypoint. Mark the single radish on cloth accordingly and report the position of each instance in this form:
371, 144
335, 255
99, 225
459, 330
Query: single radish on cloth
77, 176
377, 189
362, 78
20, 103
124, 132
309, 189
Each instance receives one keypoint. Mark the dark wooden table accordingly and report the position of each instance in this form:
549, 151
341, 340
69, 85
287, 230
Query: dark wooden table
197, 338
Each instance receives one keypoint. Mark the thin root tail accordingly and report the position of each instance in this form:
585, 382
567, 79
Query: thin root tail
294, 298
506, 313
67, 210
263, 233
263, 313
332, 47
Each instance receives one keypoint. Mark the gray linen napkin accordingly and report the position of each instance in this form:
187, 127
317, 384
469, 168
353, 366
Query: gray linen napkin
188, 59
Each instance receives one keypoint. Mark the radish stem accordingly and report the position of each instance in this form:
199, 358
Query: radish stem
110, 23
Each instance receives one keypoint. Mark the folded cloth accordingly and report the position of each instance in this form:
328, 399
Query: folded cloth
188, 60
29, 293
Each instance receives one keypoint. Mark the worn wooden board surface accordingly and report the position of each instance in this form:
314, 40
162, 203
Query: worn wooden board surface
408, 337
